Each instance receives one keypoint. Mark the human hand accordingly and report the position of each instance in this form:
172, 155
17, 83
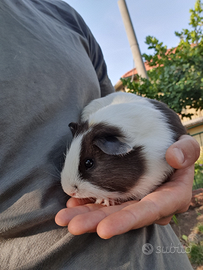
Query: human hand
158, 207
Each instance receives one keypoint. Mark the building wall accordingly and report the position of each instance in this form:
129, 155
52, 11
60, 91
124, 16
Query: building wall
197, 133
195, 125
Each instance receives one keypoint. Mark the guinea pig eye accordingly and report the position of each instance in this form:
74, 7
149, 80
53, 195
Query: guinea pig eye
89, 163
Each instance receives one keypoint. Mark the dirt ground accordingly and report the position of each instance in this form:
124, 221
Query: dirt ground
189, 220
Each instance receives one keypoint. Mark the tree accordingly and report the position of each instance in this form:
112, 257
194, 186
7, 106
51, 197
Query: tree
177, 76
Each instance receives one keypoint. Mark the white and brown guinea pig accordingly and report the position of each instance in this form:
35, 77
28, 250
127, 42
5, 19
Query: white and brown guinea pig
118, 150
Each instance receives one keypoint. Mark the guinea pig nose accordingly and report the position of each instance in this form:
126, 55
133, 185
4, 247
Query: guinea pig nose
72, 194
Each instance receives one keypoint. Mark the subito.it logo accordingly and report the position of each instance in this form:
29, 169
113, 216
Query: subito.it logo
147, 249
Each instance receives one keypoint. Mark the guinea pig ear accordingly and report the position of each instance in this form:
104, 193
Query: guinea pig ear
112, 146
73, 127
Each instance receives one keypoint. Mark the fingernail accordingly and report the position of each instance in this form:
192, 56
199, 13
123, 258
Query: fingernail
179, 155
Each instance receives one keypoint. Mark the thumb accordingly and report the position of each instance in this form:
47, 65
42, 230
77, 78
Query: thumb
183, 153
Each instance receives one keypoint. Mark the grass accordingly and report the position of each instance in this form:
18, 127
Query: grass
196, 249
200, 227
196, 254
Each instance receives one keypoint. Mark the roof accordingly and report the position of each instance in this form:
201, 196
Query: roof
130, 73
134, 71
146, 64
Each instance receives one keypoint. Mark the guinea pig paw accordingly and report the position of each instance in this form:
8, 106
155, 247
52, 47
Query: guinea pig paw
105, 202
99, 201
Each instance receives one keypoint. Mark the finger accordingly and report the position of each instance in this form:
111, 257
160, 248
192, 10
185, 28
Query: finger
64, 216
85, 222
183, 153
88, 222
164, 221
181, 184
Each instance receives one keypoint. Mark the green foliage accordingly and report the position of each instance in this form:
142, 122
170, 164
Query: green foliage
175, 219
177, 76
196, 254
198, 178
185, 238
200, 228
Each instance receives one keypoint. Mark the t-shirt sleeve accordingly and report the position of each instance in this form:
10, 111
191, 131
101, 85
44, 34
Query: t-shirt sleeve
96, 56
99, 64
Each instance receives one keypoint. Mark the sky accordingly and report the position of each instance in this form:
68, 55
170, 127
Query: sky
158, 18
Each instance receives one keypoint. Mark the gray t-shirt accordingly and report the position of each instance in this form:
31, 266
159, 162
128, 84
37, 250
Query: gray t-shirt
50, 68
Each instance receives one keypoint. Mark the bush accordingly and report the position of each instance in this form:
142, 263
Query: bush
198, 178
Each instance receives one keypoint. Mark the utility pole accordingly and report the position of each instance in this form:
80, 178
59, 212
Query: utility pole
132, 39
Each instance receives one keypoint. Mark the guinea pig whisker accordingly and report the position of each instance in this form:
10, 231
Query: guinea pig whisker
55, 176
58, 171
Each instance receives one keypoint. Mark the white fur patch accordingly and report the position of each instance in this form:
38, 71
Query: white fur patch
114, 98
69, 175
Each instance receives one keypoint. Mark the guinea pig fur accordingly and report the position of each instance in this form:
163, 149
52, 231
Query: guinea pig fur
118, 150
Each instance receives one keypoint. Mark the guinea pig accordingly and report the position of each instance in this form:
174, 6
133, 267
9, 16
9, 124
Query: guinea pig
118, 150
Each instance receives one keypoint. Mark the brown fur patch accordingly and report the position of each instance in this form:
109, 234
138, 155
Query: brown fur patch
110, 172
172, 118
